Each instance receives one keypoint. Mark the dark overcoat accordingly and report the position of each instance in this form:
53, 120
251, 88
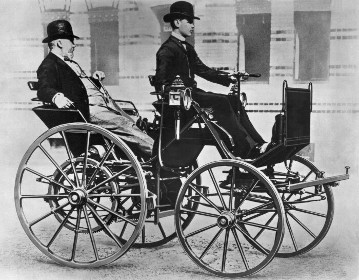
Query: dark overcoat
174, 59
55, 76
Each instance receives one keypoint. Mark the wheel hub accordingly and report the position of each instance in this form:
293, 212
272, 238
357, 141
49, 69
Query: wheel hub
77, 197
226, 220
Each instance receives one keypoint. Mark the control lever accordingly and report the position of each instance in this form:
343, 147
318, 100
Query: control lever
177, 124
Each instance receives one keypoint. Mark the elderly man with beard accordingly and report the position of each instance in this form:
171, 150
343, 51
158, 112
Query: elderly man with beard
63, 82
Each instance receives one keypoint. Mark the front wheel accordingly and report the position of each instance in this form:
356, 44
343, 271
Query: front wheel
219, 237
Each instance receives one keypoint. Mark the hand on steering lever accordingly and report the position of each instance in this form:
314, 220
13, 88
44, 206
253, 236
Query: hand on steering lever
98, 75
242, 74
61, 101
233, 79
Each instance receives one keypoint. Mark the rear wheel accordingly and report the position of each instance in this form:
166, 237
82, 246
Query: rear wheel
309, 213
77, 207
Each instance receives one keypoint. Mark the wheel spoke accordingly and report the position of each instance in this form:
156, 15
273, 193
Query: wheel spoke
44, 196
247, 194
250, 211
143, 234
112, 212
291, 234
162, 230
211, 243
307, 176
217, 188
200, 230
240, 248
205, 198
255, 216
233, 183
304, 199
93, 242
114, 195
70, 158
266, 224
47, 178
107, 229
302, 225
76, 233
259, 246
290, 164
309, 212
198, 212
225, 249
123, 230
59, 228
110, 179
100, 165
257, 225
58, 167
289, 196
85, 159
52, 211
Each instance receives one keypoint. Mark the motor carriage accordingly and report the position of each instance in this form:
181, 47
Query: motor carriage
88, 201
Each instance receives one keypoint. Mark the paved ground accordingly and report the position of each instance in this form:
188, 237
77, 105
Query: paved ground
335, 258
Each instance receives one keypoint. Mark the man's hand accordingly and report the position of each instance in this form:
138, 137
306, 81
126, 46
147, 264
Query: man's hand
98, 75
242, 74
233, 79
61, 101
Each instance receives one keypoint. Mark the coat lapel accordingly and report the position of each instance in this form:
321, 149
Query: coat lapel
64, 65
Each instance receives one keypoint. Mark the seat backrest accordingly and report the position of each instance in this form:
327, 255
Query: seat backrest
53, 116
297, 108
293, 128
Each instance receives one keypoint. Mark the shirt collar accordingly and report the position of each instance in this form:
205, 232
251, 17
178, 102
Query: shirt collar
178, 36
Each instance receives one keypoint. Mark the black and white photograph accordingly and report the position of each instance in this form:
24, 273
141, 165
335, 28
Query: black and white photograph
164, 139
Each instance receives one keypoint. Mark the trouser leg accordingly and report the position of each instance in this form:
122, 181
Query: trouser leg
248, 126
139, 142
241, 129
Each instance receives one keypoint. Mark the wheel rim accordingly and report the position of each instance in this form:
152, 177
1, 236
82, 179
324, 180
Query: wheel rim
77, 209
215, 239
308, 215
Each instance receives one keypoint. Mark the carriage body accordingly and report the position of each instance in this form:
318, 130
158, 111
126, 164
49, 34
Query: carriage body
102, 199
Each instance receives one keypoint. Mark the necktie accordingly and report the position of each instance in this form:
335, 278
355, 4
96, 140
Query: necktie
184, 45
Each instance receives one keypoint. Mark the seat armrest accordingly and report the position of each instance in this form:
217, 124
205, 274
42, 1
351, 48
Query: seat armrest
33, 85
151, 78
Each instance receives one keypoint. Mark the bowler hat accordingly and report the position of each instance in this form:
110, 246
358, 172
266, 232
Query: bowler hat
180, 9
59, 29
